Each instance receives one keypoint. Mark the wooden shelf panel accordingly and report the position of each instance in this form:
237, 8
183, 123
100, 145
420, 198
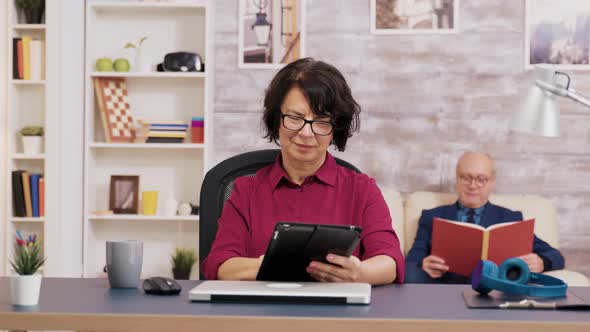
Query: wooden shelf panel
22, 156
144, 5
25, 27
155, 74
146, 146
140, 217
28, 219
28, 82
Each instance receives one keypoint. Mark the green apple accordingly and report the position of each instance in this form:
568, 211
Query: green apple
104, 64
121, 64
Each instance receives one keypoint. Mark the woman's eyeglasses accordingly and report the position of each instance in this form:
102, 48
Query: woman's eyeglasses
296, 123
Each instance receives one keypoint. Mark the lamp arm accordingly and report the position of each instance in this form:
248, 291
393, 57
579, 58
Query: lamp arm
573, 95
568, 93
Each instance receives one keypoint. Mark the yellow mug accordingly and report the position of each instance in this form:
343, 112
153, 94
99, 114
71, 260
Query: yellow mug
150, 202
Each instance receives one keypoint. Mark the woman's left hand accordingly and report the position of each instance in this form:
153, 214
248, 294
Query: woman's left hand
342, 269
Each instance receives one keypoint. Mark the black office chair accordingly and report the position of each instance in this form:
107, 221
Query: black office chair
219, 184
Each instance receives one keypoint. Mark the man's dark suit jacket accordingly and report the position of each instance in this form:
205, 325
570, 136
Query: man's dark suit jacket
492, 214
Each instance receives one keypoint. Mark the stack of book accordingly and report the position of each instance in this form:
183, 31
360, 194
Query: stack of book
28, 194
28, 58
161, 131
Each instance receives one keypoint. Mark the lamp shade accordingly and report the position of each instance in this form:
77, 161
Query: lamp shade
262, 29
539, 111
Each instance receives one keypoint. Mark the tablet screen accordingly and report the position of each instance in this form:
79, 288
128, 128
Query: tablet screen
294, 245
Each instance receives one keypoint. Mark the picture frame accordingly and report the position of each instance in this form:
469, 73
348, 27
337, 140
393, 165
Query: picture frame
557, 35
390, 17
264, 46
124, 194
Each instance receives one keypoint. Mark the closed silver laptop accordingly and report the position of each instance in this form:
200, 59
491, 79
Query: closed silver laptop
281, 292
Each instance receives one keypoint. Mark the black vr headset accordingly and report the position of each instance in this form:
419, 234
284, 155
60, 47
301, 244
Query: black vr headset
182, 61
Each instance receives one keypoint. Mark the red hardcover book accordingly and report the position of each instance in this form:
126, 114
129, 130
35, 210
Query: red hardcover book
462, 245
42, 196
19, 52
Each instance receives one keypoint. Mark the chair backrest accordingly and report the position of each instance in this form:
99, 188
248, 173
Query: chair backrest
531, 206
218, 186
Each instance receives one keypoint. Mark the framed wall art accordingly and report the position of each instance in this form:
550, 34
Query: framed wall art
557, 34
271, 33
414, 16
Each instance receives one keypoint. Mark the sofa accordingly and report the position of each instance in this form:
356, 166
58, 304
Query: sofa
405, 214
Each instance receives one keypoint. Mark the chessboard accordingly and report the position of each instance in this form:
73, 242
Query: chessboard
113, 103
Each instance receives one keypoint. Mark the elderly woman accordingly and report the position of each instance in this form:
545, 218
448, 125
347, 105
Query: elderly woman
308, 106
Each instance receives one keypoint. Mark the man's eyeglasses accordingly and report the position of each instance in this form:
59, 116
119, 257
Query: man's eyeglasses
480, 180
296, 123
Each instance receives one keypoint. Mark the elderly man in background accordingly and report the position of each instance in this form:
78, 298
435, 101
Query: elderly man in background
475, 181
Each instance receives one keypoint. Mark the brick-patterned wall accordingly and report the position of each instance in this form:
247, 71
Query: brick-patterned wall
425, 100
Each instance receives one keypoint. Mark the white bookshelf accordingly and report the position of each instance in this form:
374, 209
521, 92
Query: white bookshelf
175, 170
27, 103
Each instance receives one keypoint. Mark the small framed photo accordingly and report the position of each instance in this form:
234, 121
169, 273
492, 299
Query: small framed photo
414, 16
271, 33
124, 193
557, 35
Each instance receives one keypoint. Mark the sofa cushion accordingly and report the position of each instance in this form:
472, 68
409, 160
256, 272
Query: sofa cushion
531, 206
396, 210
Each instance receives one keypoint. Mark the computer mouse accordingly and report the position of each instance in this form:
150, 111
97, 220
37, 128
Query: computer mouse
161, 286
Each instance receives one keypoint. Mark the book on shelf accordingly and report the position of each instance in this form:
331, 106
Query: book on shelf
18, 197
462, 245
27, 193
15, 57
28, 58
173, 134
41, 196
37, 59
35, 193
171, 131
26, 41
164, 140
21, 66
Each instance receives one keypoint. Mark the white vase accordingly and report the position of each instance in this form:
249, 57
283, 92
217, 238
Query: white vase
25, 289
143, 63
170, 207
32, 145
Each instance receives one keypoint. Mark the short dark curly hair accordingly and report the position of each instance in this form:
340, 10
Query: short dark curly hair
326, 91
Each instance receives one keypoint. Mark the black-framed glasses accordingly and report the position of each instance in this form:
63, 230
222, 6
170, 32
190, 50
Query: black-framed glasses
296, 123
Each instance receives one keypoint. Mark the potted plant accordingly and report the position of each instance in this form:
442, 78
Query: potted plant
183, 260
26, 285
142, 62
33, 10
32, 139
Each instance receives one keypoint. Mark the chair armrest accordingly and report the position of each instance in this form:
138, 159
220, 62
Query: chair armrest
572, 278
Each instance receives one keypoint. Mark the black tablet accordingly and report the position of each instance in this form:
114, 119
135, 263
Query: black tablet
293, 246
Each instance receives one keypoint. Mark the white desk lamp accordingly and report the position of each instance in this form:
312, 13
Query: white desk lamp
539, 112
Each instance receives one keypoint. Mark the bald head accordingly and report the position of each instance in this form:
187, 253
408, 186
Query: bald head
483, 160
476, 179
